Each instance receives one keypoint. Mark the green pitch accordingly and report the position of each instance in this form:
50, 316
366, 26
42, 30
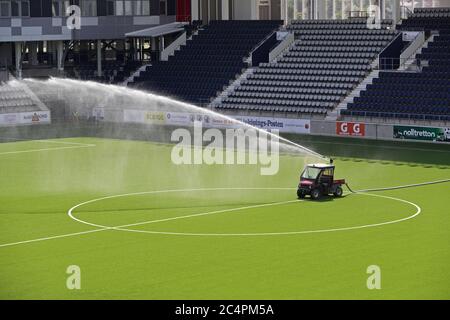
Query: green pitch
218, 232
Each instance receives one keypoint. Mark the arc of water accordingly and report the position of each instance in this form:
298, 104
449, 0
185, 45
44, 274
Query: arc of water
108, 91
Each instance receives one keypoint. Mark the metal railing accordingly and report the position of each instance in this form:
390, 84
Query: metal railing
405, 12
183, 18
397, 115
363, 14
402, 64
260, 53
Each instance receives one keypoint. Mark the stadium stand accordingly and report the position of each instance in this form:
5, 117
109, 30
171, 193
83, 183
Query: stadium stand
427, 19
208, 62
423, 95
14, 99
327, 60
112, 71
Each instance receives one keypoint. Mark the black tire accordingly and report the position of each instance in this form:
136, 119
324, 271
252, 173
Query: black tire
338, 192
300, 194
316, 194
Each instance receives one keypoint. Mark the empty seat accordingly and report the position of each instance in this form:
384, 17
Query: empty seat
327, 60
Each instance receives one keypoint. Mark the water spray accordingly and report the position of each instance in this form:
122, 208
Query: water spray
87, 95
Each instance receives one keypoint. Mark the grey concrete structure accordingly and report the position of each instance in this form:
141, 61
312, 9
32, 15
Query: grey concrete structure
45, 23
29, 28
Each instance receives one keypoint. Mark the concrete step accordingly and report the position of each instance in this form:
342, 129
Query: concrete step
232, 87
135, 74
334, 114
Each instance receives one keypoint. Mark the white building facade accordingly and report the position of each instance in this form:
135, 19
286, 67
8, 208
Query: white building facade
304, 9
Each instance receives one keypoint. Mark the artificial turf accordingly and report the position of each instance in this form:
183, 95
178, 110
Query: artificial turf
188, 261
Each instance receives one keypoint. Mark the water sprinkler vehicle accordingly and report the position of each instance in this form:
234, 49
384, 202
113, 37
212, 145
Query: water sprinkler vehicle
317, 180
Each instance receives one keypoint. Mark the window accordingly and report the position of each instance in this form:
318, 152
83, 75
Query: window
311, 173
298, 13
329, 9
141, 7
59, 7
146, 7
25, 8
89, 8
110, 8
138, 8
162, 7
119, 8
388, 10
365, 6
15, 8
356, 5
56, 8
338, 10
5, 8
346, 8
128, 8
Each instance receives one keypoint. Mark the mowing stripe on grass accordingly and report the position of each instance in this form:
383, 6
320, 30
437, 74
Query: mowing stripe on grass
70, 212
418, 211
103, 228
124, 227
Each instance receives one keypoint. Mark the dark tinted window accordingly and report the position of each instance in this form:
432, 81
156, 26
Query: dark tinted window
25, 8
110, 8
15, 8
5, 9
162, 7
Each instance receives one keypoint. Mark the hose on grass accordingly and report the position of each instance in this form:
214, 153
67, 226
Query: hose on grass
398, 187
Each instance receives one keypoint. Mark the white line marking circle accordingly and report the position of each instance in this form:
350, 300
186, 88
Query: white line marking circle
124, 227
70, 145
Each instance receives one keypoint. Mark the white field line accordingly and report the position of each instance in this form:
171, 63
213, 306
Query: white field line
418, 211
73, 145
103, 228
124, 227
41, 150
50, 238
66, 142
70, 212
207, 213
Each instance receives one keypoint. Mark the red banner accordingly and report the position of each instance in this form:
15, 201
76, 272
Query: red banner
350, 129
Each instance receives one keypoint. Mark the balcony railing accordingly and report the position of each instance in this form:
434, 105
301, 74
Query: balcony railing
358, 14
402, 64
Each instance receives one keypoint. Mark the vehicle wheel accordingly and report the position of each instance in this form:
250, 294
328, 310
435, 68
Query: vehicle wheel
300, 194
315, 194
338, 192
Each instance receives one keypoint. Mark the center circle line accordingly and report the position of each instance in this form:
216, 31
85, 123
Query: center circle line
125, 227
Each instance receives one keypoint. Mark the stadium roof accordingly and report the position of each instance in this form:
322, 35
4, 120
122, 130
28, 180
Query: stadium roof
157, 31
321, 165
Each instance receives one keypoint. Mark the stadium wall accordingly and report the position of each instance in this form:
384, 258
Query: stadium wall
375, 131
25, 118
357, 130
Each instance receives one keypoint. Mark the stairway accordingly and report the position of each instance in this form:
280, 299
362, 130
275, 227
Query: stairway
333, 115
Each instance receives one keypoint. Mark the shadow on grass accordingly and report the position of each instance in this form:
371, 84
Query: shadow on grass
326, 198
422, 154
